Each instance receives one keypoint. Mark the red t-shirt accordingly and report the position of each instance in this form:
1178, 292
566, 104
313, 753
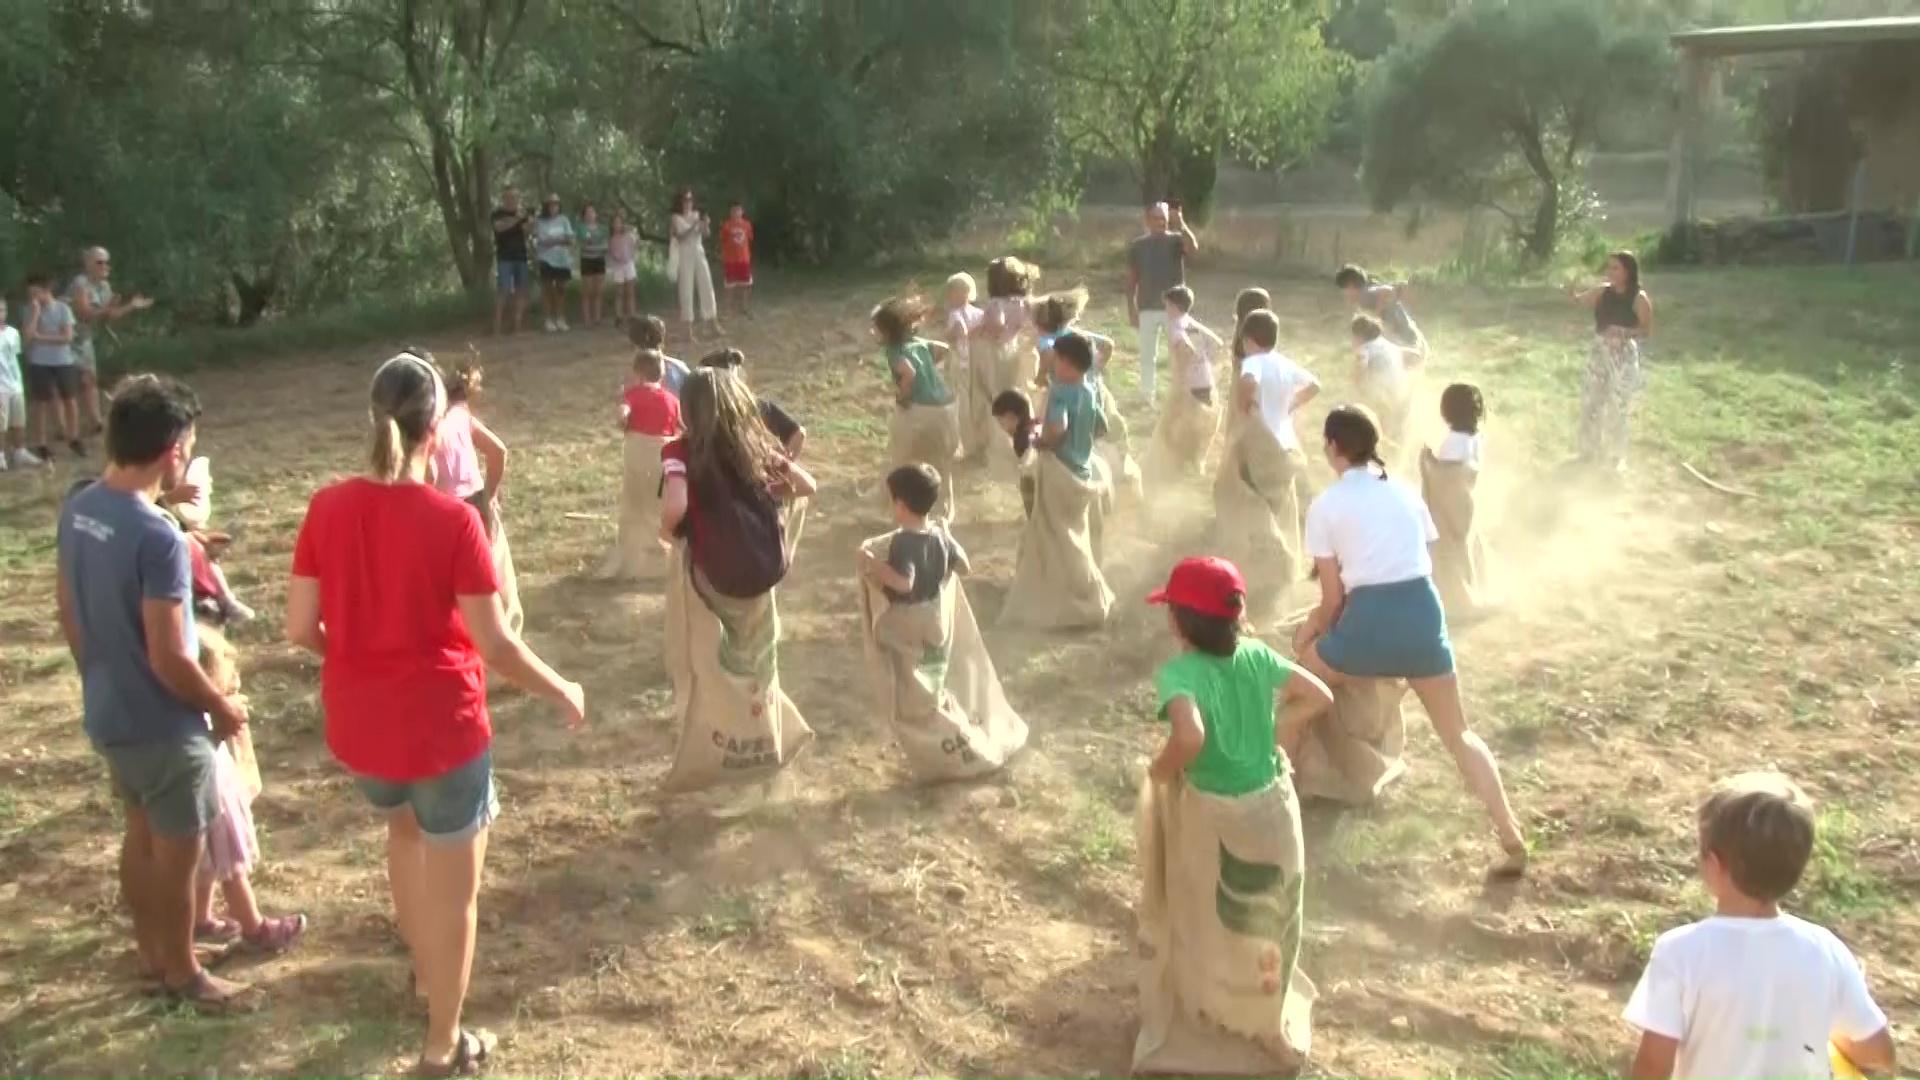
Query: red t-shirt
736, 242
403, 686
652, 410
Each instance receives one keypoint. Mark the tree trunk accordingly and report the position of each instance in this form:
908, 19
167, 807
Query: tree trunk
1159, 165
1546, 222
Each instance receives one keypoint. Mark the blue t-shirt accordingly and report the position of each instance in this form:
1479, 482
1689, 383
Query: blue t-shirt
116, 552
55, 316
1076, 406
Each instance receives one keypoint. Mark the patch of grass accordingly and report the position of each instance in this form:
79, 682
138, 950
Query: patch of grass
729, 916
1524, 1058
847, 1063
1838, 887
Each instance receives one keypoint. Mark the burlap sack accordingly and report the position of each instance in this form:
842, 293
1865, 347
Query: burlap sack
928, 434
1221, 990
1459, 556
1393, 407
934, 683
1181, 440
1256, 506
636, 548
978, 429
509, 581
793, 520
1019, 364
1355, 749
723, 656
1057, 584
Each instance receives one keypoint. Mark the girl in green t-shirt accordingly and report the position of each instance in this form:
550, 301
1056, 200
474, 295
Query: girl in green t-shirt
926, 426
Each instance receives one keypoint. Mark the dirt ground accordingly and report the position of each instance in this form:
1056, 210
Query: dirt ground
1654, 636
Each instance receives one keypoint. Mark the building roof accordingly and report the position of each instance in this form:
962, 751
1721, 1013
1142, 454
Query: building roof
1788, 37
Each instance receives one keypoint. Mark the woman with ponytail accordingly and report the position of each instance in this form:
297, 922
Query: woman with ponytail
394, 587
1379, 615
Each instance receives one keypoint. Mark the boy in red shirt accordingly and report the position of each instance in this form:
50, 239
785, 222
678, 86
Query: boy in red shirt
736, 256
650, 416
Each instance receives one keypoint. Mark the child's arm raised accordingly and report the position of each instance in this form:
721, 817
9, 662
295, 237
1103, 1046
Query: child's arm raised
494, 450
1184, 742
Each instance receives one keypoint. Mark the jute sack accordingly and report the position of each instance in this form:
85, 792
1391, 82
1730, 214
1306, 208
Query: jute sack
1221, 990
636, 547
1460, 555
928, 434
1181, 440
1128, 488
1256, 505
793, 520
1018, 364
509, 581
1393, 407
978, 429
722, 654
1057, 584
934, 683
1355, 749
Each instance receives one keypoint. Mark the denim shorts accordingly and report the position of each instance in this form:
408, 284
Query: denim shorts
452, 808
171, 780
1395, 631
511, 275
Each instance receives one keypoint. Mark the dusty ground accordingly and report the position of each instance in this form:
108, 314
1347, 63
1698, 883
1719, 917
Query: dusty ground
1656, 636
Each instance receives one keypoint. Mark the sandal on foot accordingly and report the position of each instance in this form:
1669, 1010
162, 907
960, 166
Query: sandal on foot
275, 935
1511, 868
207, 995
470, 1051
215, 931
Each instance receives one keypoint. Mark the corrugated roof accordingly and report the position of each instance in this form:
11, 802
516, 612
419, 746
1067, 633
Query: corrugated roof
1786, 37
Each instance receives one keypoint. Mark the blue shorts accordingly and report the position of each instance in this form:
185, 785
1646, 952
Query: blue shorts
1395, 631
511, 275
452, 808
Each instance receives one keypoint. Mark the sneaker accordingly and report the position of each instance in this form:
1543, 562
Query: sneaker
562, 324
26, 459
552, 326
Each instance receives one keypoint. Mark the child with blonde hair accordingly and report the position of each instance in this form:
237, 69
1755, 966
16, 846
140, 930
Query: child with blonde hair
926, 429
974, 385
649, 417
232, 847
1752, 990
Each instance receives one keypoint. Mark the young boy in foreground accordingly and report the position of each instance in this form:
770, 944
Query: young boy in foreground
1752, 991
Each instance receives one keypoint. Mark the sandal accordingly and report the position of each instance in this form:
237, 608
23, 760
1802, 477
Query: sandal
470, 1051
207, 995
276, 935
215, 931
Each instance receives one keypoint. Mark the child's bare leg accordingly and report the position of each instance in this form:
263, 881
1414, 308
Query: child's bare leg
237, 891
1471, 755
203, 900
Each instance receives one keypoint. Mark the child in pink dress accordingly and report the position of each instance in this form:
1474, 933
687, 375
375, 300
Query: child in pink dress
232, 846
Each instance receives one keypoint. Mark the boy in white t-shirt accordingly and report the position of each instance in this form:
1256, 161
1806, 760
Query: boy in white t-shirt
13, 399
1751, 991
1272, 387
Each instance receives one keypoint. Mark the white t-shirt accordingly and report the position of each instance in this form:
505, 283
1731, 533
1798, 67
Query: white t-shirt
1278, 380
1753, 997
10, 361
1461, 447
1384, 366
1378, 530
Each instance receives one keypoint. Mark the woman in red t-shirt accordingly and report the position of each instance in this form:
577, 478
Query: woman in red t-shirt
393, 585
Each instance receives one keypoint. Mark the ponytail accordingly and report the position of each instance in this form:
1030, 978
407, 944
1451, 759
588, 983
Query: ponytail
388, 455
1374, 458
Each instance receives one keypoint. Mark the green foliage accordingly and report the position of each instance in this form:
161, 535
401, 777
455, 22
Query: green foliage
1164, 86
1499, 106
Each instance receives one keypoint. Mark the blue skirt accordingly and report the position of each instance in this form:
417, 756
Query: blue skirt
1395, 631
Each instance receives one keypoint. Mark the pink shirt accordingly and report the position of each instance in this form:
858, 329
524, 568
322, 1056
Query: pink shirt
963, 321
622, 247
456, 464
1006, 316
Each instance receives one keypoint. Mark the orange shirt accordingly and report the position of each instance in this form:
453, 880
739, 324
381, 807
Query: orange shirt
736, 241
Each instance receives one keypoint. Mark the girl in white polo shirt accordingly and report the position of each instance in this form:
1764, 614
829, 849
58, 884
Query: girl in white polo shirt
1379, 615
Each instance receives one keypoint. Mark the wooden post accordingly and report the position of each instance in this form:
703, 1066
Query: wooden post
1683, 157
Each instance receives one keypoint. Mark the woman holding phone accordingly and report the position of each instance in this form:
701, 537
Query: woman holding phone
687, 264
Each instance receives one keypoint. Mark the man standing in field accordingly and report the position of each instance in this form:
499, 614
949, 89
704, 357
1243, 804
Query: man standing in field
126, 608
95, 306
510, 225
1156, 262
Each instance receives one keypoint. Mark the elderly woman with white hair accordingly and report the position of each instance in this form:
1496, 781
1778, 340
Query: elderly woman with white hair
394, 587
95, 307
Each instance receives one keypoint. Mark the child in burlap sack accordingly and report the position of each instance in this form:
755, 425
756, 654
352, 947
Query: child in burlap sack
1448, 477
1220, 916
1383, 378
1186, 429
1014, 413
926, 427
1005, 323
651, 333
1057, 584
232, 847
920, 557
649, 417
971, 376
1256, 492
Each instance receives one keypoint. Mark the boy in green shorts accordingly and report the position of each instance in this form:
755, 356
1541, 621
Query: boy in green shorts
1221, 850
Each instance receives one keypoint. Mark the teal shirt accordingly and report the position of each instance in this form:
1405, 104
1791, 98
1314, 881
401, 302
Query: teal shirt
929, 386
1235, 696
1077, 406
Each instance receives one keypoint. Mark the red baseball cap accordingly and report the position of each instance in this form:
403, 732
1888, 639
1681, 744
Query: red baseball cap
1208, 585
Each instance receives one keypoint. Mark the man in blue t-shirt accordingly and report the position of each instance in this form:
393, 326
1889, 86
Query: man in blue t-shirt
126, 602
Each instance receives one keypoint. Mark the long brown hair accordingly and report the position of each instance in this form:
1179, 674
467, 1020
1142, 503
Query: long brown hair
1054, 312
727, 442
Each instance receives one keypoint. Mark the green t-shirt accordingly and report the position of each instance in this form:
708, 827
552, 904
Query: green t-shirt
1076, 405
1235, 696
929, 387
